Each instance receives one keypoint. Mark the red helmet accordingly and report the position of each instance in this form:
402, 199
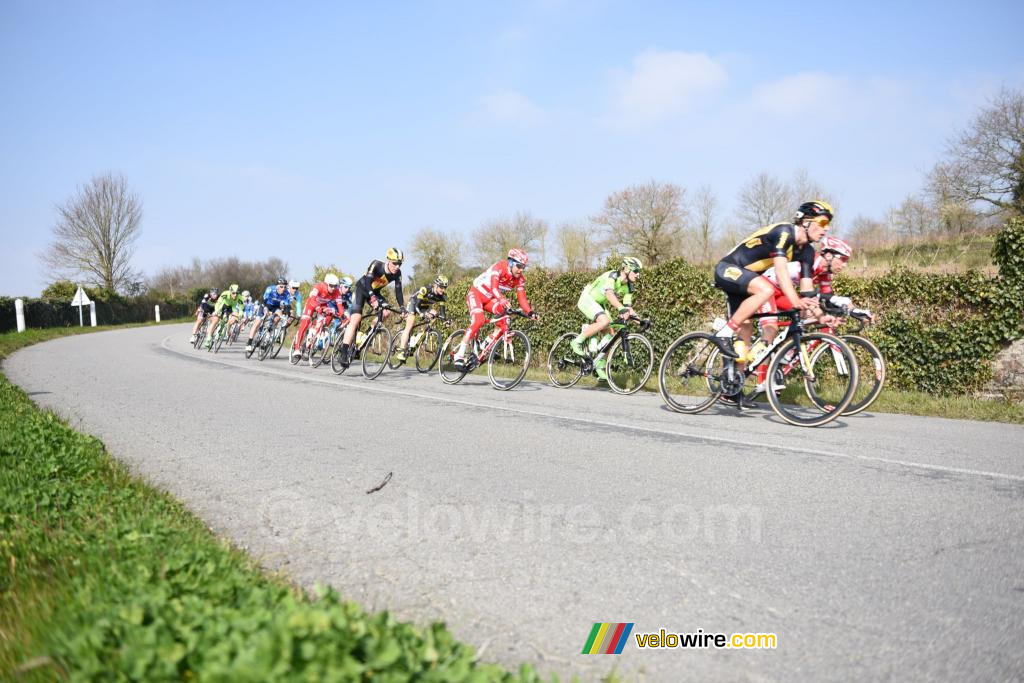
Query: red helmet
841, 247
519, 256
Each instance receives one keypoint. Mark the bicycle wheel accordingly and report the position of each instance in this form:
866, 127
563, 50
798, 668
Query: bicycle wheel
200, 336
691, 374
428, 351
449, 371
394, 364
565, 368
509, 360
871, 372
266, 343
257, 342
336, 365
376, 353
825, 375
320, 350
222, 334
293, 357
630, 364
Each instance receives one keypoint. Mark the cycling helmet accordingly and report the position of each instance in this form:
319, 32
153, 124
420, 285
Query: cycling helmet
294, 284
841, 247
234, 289
281, 281
331, 280
395, 254
213, 292
519, 256
245, 294
815, 209
631, 263
441, 281
347, 282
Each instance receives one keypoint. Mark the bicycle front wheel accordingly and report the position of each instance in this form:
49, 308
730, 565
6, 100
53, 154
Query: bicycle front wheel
450, 372
376, 353
690, 374
565, 368
508, 360
870, 372
393, 362
630, 364
824, 372
428, 351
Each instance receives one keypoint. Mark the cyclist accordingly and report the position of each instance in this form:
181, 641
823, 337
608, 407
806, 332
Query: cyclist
740, 274
276, 301
422, 303
342, 310
248, 307
204, 309
229, 300
486, 294
615, 289
368, 291
320, 296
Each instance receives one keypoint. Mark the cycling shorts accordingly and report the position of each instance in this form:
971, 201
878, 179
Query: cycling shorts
589, 307
734, 281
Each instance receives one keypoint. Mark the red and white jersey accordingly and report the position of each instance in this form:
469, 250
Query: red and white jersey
497, 280
821, 275
321, 295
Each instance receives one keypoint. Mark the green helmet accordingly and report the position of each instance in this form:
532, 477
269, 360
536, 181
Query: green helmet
441, 281
631, 263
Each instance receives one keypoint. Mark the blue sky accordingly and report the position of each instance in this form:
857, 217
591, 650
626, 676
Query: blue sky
327, 132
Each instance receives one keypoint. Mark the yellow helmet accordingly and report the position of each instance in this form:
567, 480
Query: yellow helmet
395, 254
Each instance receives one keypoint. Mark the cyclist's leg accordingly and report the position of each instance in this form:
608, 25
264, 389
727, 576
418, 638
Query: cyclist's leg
595, 314
746, 291
211, 328
475, 306
307, 314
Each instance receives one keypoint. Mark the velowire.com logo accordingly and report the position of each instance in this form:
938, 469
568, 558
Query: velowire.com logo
607, 638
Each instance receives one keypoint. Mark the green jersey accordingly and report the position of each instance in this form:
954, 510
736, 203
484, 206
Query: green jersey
610, 280
232, 302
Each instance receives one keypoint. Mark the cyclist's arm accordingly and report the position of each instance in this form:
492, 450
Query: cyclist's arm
398, 291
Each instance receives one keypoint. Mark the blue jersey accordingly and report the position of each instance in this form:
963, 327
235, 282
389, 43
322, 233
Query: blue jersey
249, 309
274, 301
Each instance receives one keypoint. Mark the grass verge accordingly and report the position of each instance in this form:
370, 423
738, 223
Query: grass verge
104, 577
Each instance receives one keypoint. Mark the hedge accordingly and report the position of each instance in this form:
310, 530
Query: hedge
939, 333
112, 311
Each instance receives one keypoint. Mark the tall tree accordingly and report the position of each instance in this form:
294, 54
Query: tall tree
705, 204
985, 162
580, 246
435, 253
493, 239
647, 221
764, 200
95, 234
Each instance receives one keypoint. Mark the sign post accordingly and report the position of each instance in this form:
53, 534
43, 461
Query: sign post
82, 299
19, 314
157, 307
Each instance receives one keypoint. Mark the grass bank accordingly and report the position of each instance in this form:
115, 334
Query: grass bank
104, 577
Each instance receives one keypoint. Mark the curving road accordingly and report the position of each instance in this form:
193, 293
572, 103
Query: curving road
878, 547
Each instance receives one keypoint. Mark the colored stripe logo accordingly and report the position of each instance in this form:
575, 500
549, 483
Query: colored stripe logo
607, 638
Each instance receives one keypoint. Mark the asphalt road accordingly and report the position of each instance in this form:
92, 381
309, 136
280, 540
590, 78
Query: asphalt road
878, 547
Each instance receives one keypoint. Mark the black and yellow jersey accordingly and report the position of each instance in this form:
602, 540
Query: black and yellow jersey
377, 278
424, 299
758, 252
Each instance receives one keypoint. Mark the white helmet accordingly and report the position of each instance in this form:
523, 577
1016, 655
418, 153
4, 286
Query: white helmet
294, 284
331, 280
245, 294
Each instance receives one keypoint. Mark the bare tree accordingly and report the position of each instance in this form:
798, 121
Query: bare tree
913, 218
435, 252
867, 232
705, 204
647, 221
219, 273
985, 163
764, 200
580, 246
493, 239
803, 188
95, 234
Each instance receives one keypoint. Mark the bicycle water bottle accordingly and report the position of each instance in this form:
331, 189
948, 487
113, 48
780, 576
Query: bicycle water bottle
415, 340
593, 345
756, 350
359, 338
740, 347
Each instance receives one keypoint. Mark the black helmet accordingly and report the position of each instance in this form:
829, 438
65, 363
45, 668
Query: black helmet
814, 209
282, 281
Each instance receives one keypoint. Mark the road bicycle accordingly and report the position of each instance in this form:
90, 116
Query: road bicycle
424, 345
372, 349
870, 360
507, 355
629, 358
694, 374
201, 333
220, 334
272, 340
312, 345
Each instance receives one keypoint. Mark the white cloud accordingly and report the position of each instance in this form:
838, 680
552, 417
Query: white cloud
664, 84
510, 107
797, 95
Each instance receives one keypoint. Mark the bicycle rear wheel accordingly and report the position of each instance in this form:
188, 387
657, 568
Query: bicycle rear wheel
393, 363
428, 351
630, 364
320, 349
376, 353
509, 360
449, 371
823, 389
200, 336
691, 372
565, 368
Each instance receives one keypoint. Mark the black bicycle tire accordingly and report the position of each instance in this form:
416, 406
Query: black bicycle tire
672, 404
421, 350
374, 374
459, 374
640, 340
554, 357
827, 415
518, 334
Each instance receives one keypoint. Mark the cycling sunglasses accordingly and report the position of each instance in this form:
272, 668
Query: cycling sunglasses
823, 221
522, 266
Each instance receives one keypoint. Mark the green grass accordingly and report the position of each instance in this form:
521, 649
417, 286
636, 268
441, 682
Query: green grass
104, 577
